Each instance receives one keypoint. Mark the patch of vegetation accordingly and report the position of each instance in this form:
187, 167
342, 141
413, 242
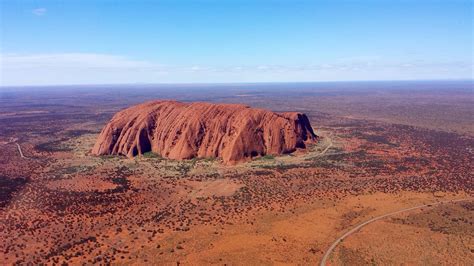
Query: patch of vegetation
378, 139
195, 160
75, 169
267, 157
52, 146
119, 178
262, 172
152, 155
122, 184
370, 164
208, 159
78, 133
401, 169
184, 168
321, 163
454, 219
160, 216
68, 246
107, 157
8, 186
351, 257
280, 166
338, 157
212, 175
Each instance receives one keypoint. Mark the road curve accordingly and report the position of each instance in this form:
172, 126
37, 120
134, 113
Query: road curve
355, 229
327, 148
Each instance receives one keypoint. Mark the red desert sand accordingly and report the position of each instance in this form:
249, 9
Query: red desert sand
177, 130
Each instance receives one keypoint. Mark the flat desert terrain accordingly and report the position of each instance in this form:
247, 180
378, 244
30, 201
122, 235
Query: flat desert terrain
383, 147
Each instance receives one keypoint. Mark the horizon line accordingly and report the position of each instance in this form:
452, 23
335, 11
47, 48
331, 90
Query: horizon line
235, 83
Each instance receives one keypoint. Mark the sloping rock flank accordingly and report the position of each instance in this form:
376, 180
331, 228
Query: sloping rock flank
178, 130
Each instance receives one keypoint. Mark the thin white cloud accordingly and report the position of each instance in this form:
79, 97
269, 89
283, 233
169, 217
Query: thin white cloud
76, 68
73, 60
39, 11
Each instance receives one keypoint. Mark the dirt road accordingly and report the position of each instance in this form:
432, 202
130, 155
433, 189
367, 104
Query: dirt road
20, 151
355, 229
327, 148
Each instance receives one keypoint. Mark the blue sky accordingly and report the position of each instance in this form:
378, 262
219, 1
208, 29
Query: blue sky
96, 42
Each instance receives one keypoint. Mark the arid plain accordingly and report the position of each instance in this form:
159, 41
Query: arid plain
383, 147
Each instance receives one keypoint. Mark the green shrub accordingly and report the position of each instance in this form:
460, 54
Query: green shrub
267, 157
150, 154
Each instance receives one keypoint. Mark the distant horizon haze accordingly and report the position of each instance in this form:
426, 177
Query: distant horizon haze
351, 84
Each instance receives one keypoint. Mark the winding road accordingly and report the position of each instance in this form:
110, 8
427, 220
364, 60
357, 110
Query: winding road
327, 148
355, 229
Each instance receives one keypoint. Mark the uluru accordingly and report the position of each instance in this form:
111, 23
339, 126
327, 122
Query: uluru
177, 130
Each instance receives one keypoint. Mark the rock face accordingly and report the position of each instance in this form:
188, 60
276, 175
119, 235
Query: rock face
178, 130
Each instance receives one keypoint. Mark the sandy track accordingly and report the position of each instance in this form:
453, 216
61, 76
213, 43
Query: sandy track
355, 229
327, 148
20, 151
